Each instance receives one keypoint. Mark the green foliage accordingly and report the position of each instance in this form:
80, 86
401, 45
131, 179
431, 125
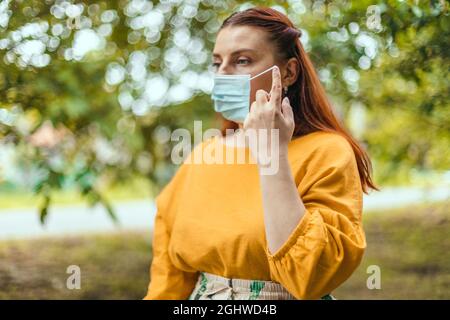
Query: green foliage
146, 72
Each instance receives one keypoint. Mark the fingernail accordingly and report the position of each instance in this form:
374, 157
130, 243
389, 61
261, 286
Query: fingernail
286, 100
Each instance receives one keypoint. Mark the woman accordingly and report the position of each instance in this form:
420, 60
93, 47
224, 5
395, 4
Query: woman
230, 232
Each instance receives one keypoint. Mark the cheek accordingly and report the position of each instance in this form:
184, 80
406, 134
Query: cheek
256, 84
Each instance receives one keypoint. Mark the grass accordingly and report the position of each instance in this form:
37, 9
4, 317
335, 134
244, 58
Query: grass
112, 267
411, 246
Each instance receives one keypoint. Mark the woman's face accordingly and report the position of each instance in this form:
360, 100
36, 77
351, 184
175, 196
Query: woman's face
245, 50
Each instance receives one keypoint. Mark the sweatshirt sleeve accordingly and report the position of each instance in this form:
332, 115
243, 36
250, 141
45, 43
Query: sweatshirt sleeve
167, 282
328, 243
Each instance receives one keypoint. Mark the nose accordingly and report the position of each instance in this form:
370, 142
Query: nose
224, 69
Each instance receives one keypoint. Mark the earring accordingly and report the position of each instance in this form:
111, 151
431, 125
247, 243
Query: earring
285, 89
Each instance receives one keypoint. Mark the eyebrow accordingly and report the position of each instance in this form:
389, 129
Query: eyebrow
235, 52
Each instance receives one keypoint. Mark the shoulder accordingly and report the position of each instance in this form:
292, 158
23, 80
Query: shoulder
196, 151
322, 147
320, 140
180, 180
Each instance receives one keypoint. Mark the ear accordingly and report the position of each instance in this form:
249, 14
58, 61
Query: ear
291, 72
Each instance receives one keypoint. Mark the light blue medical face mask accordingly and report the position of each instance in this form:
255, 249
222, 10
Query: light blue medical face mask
231, 95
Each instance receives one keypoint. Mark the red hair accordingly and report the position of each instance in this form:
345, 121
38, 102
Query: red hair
312, 110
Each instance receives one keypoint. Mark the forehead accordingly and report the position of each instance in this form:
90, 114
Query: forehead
233, 38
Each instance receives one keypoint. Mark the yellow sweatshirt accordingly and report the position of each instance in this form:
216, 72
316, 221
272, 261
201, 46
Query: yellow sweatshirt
210, 218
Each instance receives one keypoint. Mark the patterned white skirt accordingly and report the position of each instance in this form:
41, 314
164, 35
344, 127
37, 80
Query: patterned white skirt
213, 287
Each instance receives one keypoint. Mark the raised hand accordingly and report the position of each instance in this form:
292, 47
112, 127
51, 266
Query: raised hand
270, 122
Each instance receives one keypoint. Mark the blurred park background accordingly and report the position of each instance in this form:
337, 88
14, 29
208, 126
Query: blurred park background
90, 92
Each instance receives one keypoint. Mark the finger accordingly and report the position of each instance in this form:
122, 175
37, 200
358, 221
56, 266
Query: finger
275, 92
287, 109
246, 121
252, 107
261, 97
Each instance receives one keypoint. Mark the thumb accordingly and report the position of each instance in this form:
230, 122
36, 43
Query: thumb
246, 121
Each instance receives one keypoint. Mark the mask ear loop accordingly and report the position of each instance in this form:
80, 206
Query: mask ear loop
283, 92
262, 73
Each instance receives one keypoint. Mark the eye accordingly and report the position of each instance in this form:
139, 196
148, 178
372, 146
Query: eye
243, 61
214, 66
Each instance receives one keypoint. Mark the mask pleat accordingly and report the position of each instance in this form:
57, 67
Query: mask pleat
231, 95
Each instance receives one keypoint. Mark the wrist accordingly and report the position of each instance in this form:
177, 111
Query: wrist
275, 164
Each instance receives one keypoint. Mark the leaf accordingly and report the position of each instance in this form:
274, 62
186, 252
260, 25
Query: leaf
111, 212
93, 197
108, 208
43, 209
